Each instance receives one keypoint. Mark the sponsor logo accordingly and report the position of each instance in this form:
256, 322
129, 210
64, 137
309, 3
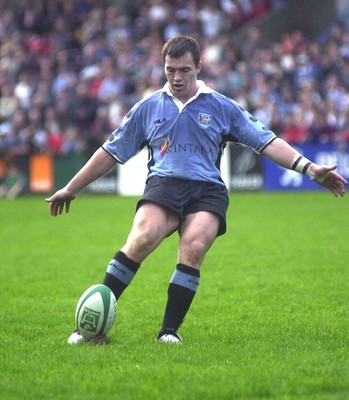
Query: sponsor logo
164, 144
89, 319
118, 268
122, 271
159, 121
246, 172
190, 148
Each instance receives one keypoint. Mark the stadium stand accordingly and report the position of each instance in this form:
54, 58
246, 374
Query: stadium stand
70, 70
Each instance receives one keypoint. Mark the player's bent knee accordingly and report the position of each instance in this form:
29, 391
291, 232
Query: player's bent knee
193, 251
142, 242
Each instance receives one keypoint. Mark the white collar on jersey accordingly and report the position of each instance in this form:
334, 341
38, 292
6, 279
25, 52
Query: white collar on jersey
202, 88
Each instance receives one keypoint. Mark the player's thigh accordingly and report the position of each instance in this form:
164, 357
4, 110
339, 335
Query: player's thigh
197, 233
155, 219
152, 223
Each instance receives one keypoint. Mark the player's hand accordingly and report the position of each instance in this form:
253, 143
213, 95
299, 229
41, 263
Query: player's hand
324, 175
59, 201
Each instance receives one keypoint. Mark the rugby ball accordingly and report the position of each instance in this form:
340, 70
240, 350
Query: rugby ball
95, 311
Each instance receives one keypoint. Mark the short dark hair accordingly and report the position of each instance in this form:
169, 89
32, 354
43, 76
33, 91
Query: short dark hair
179, 46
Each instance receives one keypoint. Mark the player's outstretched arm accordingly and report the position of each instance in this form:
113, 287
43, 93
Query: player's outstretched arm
99, 164
283, 154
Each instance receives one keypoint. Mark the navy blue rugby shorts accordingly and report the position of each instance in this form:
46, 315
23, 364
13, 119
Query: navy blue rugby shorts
186, 197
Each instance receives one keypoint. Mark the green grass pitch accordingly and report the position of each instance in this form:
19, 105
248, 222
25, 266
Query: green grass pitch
270, 319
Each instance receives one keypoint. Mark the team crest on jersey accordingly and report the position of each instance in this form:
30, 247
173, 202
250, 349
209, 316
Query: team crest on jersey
204, 120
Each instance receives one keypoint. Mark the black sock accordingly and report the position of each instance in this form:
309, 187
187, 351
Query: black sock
120, 273
180, 294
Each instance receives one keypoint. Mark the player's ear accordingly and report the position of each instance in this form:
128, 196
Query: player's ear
198, 67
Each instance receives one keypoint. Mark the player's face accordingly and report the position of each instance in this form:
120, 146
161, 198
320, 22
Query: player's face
181, 74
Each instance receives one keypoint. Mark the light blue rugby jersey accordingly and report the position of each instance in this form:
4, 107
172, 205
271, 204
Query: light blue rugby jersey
186, 141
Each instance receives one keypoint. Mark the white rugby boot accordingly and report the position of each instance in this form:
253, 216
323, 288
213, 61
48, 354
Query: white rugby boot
76, 338
168, 336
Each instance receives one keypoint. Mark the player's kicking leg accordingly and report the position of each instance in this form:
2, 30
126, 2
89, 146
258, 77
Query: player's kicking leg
151, 225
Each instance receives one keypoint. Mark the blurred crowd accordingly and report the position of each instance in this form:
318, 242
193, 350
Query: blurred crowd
70, 70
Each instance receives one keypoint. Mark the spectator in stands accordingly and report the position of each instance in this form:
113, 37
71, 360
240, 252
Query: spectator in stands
8, 101
210, 18
84, 108
14, 183
50, 52
293, 130
320, 130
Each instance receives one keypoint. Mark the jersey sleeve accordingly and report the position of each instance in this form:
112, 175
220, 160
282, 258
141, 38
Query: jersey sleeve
248, 131
127, 140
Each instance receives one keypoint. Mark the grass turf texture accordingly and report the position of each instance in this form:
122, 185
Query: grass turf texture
270, 319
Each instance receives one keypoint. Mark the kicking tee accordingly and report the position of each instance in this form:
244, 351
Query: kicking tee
186, 141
